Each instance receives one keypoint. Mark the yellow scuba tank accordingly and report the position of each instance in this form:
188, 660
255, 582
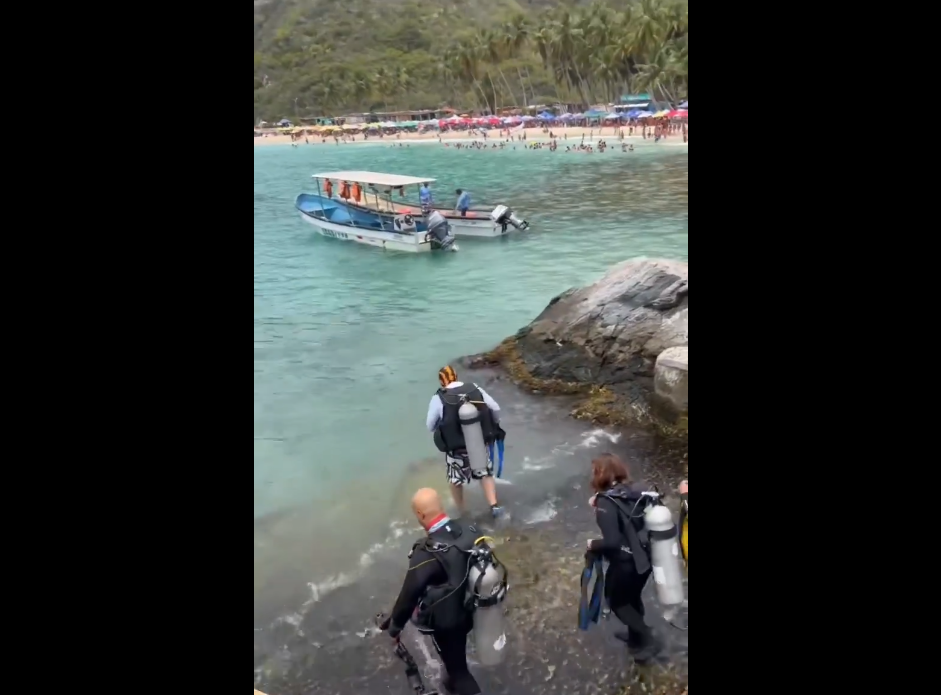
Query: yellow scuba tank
684, 530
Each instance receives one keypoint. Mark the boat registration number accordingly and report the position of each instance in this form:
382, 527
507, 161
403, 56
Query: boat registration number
336, 235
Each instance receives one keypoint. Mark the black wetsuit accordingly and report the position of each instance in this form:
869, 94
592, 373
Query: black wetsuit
627, 575
425, 571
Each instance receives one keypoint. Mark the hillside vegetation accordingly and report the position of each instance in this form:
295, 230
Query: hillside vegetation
322, 57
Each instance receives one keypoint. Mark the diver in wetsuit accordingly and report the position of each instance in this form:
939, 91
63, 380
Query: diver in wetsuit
436, 585
443, 420
619, 512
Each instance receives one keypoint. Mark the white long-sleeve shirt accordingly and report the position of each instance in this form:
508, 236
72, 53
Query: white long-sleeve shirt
436, 407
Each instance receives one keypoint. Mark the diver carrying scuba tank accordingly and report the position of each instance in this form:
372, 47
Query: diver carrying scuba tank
465, 421
454, 584
639, 539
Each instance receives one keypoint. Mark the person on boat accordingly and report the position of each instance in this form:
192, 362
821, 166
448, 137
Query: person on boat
426, 197
357, 192
444, 421
328, 188
463, 202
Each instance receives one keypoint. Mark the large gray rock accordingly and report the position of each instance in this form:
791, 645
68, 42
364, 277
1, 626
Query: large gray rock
671, 386
611, 333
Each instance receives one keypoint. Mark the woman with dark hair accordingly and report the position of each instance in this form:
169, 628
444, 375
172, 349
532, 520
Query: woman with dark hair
619, 511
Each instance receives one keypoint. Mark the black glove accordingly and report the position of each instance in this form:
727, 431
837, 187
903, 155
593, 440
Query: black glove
394, 632
384, 625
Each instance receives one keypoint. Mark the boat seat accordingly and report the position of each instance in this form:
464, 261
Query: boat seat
338, 215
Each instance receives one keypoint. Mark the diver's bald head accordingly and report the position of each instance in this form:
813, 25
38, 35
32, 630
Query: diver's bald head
427, 506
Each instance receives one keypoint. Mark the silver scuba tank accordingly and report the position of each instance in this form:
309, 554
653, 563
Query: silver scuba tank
474, 437
487, 589
665, 555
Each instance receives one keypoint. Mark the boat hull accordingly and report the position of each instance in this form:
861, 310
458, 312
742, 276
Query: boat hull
387, 241
479, 228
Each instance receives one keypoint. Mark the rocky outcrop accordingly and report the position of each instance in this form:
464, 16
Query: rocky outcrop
606, 338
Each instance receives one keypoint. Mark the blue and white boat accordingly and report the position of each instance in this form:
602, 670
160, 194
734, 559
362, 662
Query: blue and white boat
369, 219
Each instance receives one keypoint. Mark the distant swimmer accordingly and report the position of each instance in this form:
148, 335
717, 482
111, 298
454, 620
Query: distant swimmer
468, 459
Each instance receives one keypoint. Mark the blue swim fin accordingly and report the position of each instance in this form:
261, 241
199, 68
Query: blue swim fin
501, 448
589, 610
492, 459
584, 610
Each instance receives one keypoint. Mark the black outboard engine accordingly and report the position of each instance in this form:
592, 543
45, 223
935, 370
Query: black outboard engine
505, 217
440, 232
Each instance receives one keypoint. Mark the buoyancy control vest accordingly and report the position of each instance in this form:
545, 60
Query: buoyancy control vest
445, 608
631, 506
449, 437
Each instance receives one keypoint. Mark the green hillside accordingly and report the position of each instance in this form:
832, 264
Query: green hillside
320, 57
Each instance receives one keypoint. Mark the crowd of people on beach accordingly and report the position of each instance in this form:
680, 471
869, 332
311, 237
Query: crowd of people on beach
504, 138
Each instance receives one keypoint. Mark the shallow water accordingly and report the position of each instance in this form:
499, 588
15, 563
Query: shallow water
348, 341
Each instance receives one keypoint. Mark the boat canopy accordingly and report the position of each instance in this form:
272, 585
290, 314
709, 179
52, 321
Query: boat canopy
369, 177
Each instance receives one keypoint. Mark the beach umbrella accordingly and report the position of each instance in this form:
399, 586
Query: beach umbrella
527, 119
679, 114
632, 114
685, 105
546, 116
661, 114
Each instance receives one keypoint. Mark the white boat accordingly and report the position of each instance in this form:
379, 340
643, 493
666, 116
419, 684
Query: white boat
384, 195
345, 220
478, 223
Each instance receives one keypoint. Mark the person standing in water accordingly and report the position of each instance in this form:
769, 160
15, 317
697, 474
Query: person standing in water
445, 423
435, 585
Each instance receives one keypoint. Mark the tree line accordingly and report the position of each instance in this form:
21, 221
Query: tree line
586, 56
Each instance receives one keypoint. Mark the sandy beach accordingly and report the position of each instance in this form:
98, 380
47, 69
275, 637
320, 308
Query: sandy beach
532, 135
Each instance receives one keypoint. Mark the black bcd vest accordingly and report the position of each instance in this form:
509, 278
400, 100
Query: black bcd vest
445, 608
631, 508
449, 437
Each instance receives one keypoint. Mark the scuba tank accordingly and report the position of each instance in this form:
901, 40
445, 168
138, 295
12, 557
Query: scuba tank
684, 530
474, 442
664, 553
486, 591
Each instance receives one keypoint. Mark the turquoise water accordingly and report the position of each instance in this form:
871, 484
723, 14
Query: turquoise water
348, 339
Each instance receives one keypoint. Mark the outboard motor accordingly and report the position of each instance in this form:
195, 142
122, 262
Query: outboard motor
404, 224
505, 217
439, 232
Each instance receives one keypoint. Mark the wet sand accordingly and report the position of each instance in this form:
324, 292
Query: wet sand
331, 647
